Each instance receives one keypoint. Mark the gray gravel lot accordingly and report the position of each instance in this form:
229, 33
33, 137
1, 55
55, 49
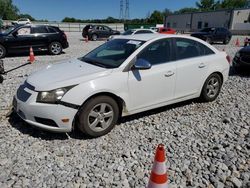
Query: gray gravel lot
207, 144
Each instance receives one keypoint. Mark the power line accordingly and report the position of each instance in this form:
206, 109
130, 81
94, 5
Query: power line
121, 10
127, 10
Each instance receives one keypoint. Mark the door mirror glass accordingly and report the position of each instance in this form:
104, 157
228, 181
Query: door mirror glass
141, 64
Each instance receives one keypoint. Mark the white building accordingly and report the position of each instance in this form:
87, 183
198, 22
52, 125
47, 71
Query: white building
237, 20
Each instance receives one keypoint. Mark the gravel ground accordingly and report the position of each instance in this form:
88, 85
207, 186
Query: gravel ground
207, 144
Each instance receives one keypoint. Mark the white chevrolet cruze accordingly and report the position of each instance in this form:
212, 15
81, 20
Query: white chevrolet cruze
124, 76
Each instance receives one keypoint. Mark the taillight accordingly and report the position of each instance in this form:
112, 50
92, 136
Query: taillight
64, 35
228, 59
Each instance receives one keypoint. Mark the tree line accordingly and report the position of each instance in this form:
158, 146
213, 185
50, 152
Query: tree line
8, 11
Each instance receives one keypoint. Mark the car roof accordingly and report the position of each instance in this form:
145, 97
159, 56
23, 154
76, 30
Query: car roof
147, 37
156, 36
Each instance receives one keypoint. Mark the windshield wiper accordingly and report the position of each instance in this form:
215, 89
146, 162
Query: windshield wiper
93, 62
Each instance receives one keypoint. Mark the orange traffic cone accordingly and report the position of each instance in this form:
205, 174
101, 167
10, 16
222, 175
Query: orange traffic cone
87, 39
237, 43
32, 56
159, 177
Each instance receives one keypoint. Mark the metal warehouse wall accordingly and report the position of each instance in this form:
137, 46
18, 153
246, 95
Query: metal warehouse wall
179, 21
230, 19
240, 16
211, 19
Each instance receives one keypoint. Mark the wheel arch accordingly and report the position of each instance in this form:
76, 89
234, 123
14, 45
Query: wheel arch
120, 102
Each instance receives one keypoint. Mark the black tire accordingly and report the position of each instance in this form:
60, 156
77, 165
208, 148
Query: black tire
93, 112
55, 48
211, 90
94, 37
1, 79
2, 51
209, 40
226, 41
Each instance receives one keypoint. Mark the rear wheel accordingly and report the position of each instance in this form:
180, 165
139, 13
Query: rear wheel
98, 116
226, 41
2, 51
208, 40
94, 37
211, 88
55, 48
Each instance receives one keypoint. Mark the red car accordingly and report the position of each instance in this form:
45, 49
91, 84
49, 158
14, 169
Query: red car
165, 30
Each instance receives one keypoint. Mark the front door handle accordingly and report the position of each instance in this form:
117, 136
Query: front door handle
202, 65
169, 73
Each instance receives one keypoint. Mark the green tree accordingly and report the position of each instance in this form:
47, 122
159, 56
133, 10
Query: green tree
233, 3
186, 10
167, 12
8, 11
156, 17
208, 4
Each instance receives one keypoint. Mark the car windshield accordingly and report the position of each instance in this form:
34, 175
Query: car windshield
128, 32
7, 31
113, 53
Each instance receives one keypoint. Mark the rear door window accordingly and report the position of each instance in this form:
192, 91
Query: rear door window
186, 48
36, 30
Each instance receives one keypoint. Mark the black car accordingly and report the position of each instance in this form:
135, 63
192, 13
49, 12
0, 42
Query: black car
242, 59
94, 32
39, 37
214, 34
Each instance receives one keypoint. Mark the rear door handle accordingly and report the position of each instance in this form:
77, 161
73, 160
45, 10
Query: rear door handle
202, 65
169, 73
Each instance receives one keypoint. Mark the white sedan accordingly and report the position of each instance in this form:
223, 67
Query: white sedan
124, 76
134, 32
22, 21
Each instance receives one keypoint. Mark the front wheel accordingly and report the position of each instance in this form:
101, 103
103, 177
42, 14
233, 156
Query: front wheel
2, 51
211, 88
55, 48
98, 116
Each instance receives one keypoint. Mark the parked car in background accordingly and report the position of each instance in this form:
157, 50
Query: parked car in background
124, 76
134, 32
21, 21
93, 32
39, 37
214, 34
165, 30
138, 31
242, 59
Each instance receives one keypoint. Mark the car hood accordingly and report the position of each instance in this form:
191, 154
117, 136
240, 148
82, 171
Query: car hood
67, 73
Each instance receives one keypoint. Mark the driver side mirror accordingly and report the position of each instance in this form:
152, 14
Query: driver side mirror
15, 34
141, 64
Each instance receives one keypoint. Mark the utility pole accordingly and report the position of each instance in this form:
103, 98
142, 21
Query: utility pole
127, 10
121, 10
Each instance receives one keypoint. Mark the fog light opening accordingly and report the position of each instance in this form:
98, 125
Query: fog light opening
65, 120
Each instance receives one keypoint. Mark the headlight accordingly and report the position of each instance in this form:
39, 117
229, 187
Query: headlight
52, 96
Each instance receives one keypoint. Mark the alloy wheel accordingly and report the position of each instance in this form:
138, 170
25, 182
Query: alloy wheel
213, 87
1, 52
100, 117
56, 48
